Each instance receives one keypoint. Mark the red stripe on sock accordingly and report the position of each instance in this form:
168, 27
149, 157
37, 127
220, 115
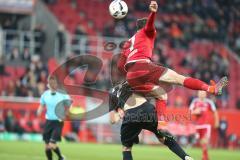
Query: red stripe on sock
161, 107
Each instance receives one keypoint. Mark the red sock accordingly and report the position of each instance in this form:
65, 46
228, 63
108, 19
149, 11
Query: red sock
195, 84
204, 152
161, 107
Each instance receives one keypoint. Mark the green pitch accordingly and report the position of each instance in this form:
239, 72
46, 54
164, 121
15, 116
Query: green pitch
79, 151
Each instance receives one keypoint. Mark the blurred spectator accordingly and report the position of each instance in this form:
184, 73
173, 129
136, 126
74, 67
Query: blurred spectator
26, 55
238, 103
15, 55
75, 126
24, 121
10, 89
9, 121
232, 141
175, 31
2, 68
143, 6
40, 38
61, 39
222, 132
80, 38
2, 127
50, 1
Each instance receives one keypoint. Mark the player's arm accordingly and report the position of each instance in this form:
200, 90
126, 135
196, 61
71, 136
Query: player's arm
41, 106
216, 119
114, 117
121, 63
194, 110
40, 109
68, 105
153, 7
215, 113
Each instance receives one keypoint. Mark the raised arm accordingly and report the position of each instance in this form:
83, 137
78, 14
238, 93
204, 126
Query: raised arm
121, 63
149, 27
153, 7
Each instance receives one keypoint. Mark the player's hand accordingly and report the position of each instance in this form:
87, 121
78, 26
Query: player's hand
196, 111
153, 7
121, 113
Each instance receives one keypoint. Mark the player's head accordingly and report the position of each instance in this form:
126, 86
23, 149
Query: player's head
52, 82
202, 94
141, 23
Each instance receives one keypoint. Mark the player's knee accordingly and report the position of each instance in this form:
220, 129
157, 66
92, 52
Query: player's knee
172, 77
204, 141
162, 140
165, 138
52, 145
159, 93
124, 148
179, 79
47, 146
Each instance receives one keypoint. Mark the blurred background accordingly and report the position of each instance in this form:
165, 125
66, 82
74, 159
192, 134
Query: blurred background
200, 38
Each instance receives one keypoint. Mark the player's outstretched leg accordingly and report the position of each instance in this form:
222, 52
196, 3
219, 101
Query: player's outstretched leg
127, 153
173, 77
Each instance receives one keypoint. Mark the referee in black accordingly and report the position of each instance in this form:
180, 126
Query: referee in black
50, 100
137, 114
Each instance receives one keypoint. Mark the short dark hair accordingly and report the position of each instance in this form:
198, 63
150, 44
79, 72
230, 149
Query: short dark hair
141, 23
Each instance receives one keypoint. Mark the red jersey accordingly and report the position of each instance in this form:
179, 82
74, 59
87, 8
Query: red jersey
140, 46
204, 106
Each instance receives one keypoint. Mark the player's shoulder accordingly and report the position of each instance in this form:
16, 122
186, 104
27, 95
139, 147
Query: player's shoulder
63, 94
196, 99
46, 92
120, 88
208, 100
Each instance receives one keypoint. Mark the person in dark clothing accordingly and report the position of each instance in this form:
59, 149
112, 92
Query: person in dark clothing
137, 114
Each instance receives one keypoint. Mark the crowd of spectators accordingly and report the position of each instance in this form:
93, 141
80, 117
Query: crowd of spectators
206, 69
31, 83
18, 54
211, 20
204, 20
14, 33
207, 19
20, 121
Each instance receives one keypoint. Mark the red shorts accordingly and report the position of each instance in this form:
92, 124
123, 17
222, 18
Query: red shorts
143, 76
204, 131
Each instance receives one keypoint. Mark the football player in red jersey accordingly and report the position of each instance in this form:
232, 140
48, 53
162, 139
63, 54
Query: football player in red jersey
200, 107
147, 77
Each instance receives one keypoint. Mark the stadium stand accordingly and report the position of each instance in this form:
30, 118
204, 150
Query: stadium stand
193, 38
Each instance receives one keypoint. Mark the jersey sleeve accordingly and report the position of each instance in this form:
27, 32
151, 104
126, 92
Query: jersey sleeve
149, 27
42, 101
113, 102
212, 105
192, 105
